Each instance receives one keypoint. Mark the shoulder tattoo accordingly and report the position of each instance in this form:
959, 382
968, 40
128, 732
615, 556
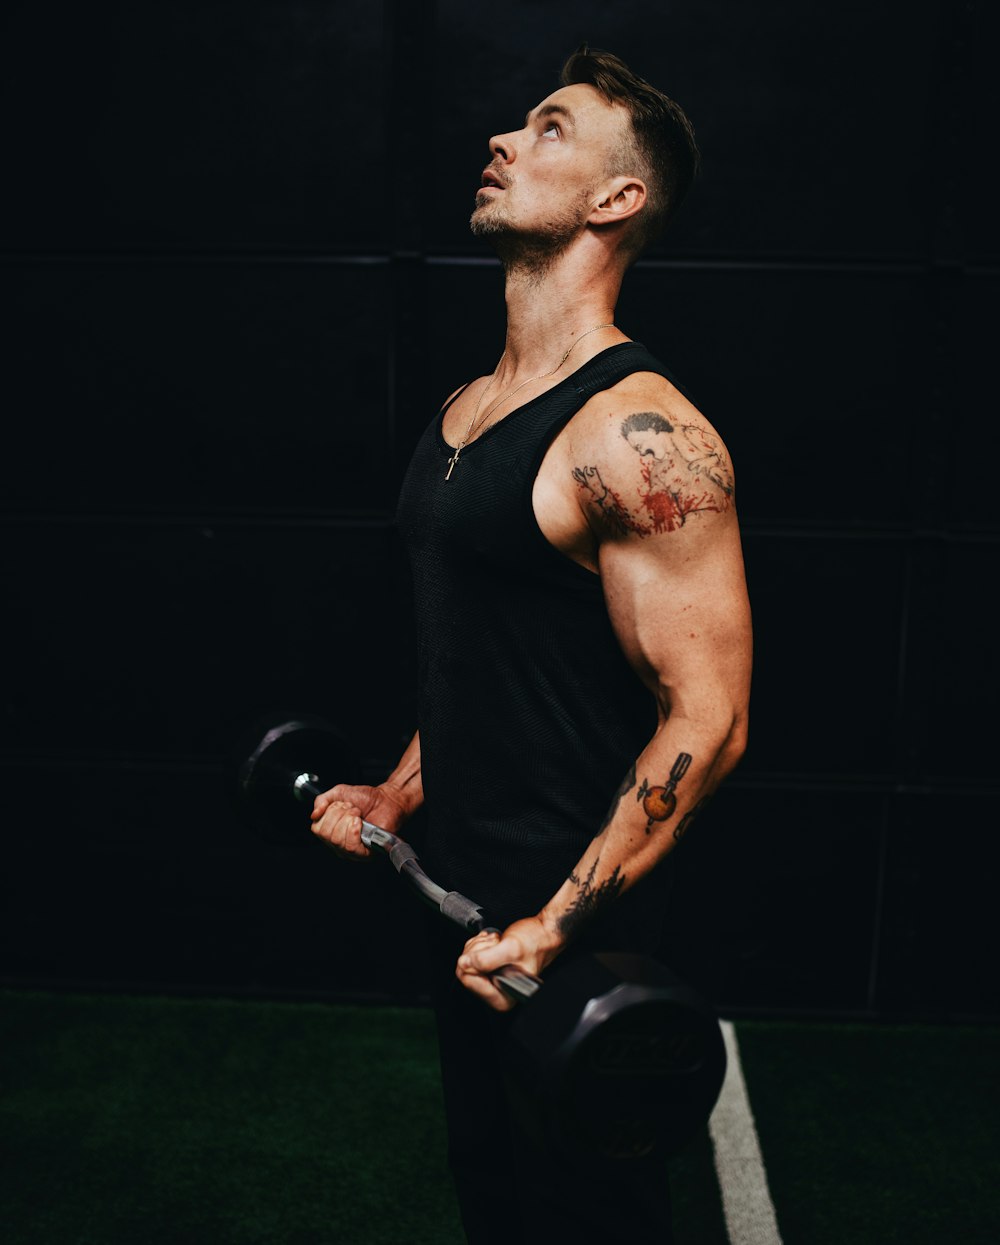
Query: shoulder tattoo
683, 471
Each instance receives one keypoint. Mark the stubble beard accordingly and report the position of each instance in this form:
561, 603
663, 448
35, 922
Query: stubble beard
529, 253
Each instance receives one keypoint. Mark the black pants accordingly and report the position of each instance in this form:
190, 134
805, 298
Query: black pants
514, 1189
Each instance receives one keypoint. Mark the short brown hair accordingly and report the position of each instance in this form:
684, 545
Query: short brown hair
663, 151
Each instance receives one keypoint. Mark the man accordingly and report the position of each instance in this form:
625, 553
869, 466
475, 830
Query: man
581, 614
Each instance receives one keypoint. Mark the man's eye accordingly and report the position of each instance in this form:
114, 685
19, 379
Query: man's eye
551, 128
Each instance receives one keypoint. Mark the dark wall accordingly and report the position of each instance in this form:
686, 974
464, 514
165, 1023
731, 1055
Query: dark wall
237, 281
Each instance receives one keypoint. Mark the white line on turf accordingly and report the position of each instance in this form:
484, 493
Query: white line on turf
746, 1200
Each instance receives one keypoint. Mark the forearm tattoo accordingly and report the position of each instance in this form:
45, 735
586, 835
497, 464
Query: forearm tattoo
684, 471
682, 826
590, 899
628, 782
659, 803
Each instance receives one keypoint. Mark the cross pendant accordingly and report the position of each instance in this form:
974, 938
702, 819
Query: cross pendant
452, 461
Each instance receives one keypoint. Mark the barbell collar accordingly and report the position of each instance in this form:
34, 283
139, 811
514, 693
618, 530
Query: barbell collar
306, 787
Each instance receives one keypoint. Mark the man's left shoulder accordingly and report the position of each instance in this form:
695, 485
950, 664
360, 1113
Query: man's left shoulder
640, 394
645, 460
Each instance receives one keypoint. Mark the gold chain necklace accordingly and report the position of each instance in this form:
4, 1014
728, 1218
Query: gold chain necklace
474, 421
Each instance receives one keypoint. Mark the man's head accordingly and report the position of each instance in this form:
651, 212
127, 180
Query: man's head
648, 433
606, 150
658, 143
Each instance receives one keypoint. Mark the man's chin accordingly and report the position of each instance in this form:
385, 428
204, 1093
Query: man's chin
518, 248
485, 222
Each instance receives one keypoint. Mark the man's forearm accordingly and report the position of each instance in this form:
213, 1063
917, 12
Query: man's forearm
406, 782
652, 810
682, 765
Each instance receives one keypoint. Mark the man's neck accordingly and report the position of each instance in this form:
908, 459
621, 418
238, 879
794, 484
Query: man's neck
547, 312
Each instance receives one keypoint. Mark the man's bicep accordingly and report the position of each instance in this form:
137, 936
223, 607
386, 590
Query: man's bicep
681, 615
656, 488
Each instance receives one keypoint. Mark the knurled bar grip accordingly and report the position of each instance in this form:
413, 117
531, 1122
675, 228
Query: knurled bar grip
514, 982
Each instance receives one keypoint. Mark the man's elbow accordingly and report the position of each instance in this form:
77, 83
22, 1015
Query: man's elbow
718, 719
734, 744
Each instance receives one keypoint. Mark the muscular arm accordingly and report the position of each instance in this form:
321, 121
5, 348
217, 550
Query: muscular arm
337, 813
678, 605
656, 491
405, 782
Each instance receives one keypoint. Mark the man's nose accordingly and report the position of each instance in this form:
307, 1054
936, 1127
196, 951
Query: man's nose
502, 148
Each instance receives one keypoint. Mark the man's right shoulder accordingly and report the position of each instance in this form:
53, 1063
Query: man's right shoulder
453, 395
641, 399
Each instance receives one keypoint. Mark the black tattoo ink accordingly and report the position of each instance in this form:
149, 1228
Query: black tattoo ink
682, 826
684, 471
659, 803
628, 782
591, 898
645, 421
610, 507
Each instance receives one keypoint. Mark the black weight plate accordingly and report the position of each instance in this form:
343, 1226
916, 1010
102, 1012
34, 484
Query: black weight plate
279, 752
617, 1054
649, 1075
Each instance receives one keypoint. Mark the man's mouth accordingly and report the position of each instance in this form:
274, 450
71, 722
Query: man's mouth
491, 181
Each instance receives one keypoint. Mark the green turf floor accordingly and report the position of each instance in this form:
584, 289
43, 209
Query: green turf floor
162, 1120
132, 1121
878, 1133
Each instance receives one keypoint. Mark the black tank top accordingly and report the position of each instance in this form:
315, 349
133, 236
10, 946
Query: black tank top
529, 714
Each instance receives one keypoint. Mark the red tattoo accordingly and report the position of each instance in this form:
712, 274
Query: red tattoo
684, 471
668, 509
658, 803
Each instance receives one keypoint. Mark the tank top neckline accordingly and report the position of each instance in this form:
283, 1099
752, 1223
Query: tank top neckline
449, 449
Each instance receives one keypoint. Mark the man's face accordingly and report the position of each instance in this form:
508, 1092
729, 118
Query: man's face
543, 179
648, 443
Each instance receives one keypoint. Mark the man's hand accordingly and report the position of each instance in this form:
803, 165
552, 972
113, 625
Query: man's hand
529, 944
337, 814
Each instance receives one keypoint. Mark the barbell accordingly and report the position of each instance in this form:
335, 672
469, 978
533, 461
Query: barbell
613, 1053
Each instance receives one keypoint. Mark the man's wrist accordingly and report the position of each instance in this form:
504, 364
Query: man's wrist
555, 935
406, 798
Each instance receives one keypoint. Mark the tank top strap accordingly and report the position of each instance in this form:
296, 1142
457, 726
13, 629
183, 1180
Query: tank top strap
557, 407
549, 413
612, 366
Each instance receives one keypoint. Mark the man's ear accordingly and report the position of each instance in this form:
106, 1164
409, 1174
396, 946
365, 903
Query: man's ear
619, 199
